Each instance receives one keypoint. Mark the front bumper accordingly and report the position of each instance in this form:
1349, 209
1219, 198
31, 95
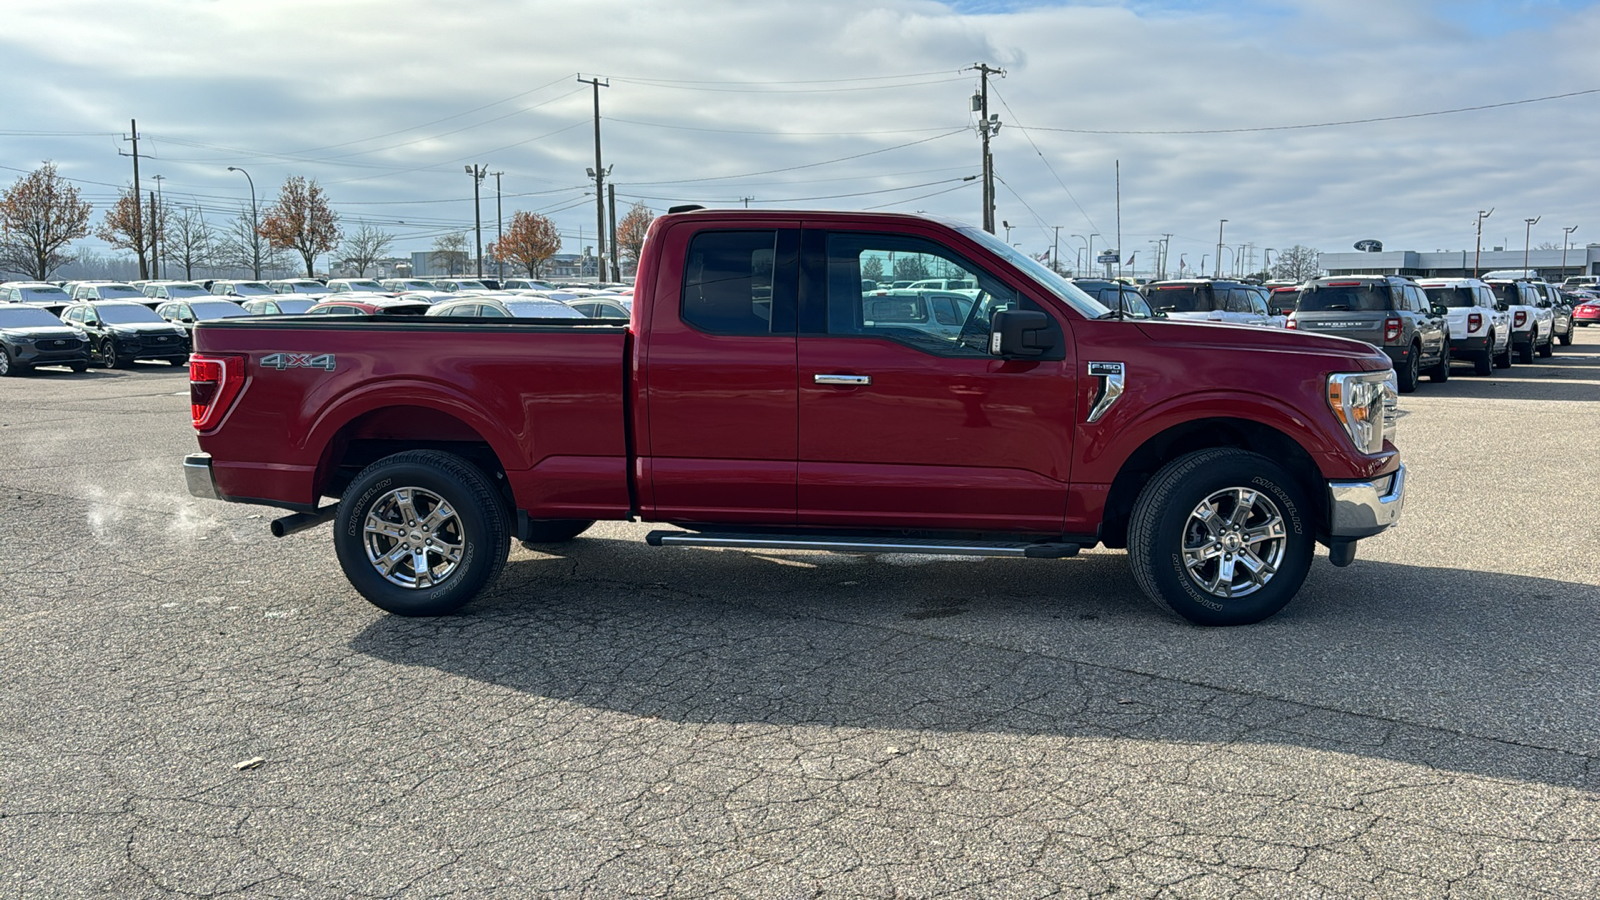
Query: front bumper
1361, 509
197, 474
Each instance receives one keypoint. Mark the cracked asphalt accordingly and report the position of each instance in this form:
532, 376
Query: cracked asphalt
192, 708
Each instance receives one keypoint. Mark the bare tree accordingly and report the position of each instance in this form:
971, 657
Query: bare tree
449, 250
190, 241
365, 247
1298, 263
301, 221
39, 216
240, 246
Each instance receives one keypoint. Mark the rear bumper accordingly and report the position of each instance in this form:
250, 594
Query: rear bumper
1361, 509
1470, 344
197, 475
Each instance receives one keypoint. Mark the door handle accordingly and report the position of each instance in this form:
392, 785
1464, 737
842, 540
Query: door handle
852, 380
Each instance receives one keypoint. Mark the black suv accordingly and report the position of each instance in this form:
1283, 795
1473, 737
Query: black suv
121, 331
1115, 295
1388, 312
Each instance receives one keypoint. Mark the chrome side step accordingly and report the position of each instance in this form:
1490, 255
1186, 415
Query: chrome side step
941, 546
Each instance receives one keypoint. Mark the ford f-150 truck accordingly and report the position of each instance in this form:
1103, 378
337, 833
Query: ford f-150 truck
760, 397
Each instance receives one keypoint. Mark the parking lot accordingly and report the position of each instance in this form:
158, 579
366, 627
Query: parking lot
192, 707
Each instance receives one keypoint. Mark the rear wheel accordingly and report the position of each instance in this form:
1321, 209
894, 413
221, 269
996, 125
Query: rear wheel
80, 367
1525, 351
1411, 370
421, 533
1219, 537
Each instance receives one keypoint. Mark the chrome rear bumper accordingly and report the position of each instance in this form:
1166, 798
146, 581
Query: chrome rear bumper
197, 474
1361, 509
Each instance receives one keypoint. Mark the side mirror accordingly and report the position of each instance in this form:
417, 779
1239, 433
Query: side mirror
1440, 309
1501, 307
1019, 333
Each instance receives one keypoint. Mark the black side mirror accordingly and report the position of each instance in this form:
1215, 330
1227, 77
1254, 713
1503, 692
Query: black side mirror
1019, 333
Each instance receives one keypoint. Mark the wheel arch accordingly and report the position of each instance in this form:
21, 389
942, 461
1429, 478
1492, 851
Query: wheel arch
1205, 434
374, 433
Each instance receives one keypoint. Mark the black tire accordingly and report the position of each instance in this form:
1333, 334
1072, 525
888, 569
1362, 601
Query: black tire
8, 366
1525, 351
1548, 349
1440, 373
1163, 521
80, 367
1503, 360
1566, 339
555, 531
475, 527
108, 352
177, 360
1483, 360
1411, 371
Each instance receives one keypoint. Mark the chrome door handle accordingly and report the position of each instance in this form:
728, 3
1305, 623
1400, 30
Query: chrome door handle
842, 379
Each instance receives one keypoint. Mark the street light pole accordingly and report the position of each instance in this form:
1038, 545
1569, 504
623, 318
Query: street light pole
1219, 248
1527, 235
478, 173
499, 222
1566, 238
255, 226
1477, 253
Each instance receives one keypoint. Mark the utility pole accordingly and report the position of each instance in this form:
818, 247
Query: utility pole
1119, 222
1566, 238
1219, 248
746, 201
1166, 250
599, 174
1478, 253
616, 263
478, 173
161, 206
1055, 251
499, 222
155, 240
987, 126
138, 219
1526, 237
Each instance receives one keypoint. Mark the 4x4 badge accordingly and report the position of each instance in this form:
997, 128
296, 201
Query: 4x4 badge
1112, 380
281, 361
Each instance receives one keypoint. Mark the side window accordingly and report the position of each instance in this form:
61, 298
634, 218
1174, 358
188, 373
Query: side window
728, 285
492, 312
1258, 302
953, 322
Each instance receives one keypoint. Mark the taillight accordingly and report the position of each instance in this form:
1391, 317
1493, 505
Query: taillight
1474, 322
1290, 324
1522, 317
1391, 330
214, 383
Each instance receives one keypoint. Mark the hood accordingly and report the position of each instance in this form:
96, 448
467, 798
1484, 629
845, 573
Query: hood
146, 328
48, 332
1252, 338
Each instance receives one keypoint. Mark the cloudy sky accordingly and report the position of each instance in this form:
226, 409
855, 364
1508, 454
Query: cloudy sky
1216, 109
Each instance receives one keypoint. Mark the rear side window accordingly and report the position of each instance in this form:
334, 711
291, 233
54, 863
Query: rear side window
728, 284
1183, 298
1342, 297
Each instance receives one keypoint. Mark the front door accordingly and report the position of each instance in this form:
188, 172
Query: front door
906, 420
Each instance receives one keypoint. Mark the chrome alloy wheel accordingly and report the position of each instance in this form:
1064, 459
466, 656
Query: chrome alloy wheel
413, 538
1234, 542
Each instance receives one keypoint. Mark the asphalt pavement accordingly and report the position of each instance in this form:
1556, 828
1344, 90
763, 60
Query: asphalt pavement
193, 708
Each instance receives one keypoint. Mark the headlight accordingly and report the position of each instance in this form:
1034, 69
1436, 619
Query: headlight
23, 339
1365, 403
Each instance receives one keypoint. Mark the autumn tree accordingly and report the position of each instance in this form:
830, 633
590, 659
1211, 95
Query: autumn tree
632, 230
190, 241
301, 221
1298, 263
363, 248
448, 251
530, 241
129, 225
39, 216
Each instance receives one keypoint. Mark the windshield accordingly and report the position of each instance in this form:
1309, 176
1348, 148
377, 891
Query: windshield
12, 316
295, 307
1183, 298
185, 290
251, 289
117, 291
217, 309
1050, 281
471, 286
44, 294
1367, 297
1453, 297
127, 315
533, 309
304, 287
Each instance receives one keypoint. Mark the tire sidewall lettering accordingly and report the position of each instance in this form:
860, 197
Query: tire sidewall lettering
358, 513
1283, 497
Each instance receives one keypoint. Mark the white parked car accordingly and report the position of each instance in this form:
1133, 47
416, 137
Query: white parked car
1479, 331
1533, 328
1205, 300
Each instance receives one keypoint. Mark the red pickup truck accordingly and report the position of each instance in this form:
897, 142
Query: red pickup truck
768, 393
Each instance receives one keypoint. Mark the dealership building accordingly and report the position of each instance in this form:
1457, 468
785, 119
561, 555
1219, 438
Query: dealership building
1460, 264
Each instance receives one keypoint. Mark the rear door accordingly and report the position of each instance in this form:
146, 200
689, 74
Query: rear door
905, 419
718, 376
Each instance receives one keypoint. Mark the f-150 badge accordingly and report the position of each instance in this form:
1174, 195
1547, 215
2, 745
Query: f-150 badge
281, 361
1112, 379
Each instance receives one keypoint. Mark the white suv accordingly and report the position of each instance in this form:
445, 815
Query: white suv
1478, 331
1533, 330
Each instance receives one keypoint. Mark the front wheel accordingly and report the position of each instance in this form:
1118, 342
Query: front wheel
7, 367
1525, 352
1221, 537
420, 533
1566, 339
1503, 360
1548, 348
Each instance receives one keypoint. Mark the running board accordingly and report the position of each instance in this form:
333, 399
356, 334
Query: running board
1028, 550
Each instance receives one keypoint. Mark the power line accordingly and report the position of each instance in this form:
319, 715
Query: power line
923, 197
807, 165
813, 81
694, 87
777, 133
1421, 115
1020, 127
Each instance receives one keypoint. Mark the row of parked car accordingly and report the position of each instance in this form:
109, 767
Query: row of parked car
113, 324
1425, 325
